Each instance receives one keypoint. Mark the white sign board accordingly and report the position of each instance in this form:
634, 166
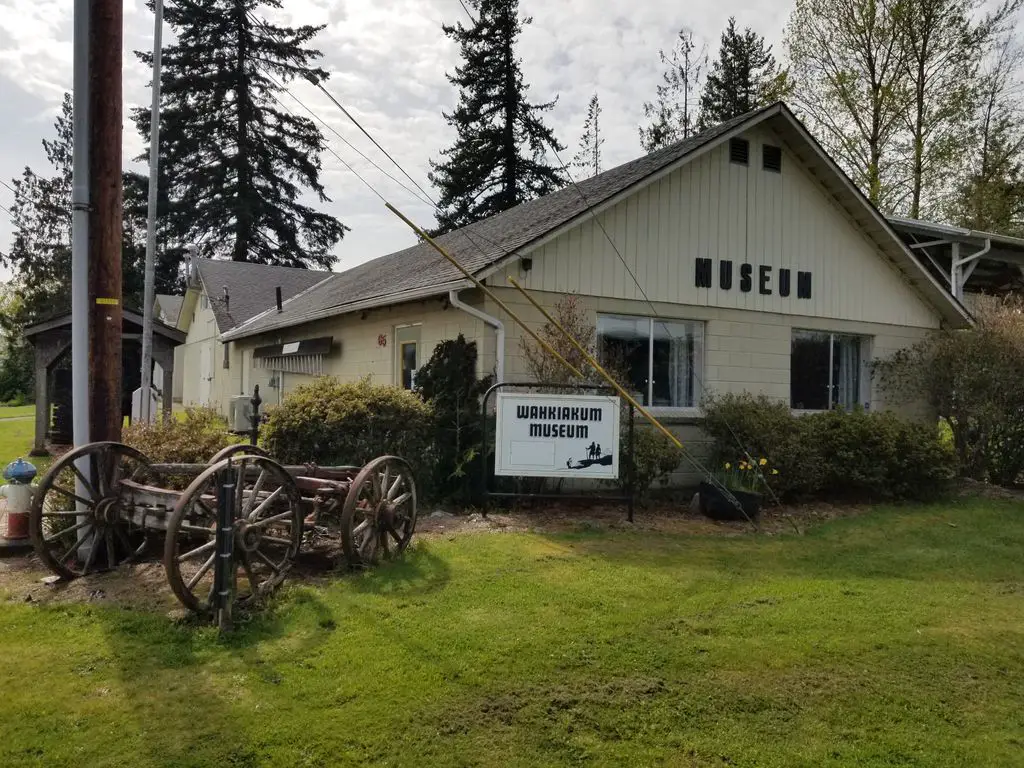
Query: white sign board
557, 436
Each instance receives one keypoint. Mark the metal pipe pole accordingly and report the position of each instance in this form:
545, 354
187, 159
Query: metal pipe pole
154, 162
80, 240
106, 38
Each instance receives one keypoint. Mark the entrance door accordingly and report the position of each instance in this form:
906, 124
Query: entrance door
407, 352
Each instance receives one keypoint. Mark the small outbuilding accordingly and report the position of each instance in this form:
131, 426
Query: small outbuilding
51, 340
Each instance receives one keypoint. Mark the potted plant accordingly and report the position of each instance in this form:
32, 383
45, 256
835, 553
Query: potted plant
744, 481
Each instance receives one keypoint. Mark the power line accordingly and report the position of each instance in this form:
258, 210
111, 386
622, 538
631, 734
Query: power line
8, 186
340, 136
636, 281
7, 210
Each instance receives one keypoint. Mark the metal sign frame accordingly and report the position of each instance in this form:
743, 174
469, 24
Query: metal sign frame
487, 476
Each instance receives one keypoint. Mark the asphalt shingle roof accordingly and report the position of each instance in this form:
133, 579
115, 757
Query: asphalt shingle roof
251, 288
478, 245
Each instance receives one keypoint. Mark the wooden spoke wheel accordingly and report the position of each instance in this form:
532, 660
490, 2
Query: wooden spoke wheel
78, 521
234, 450
267, 531
379, 515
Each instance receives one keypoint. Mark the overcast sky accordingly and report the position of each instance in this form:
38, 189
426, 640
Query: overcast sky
387, 60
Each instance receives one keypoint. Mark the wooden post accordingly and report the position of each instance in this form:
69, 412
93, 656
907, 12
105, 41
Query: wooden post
105, 104
42, 406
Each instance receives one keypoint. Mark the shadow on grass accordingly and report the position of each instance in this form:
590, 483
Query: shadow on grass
171, 674
418, 572
959, 540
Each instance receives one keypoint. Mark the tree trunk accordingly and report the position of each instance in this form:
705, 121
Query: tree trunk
243, 218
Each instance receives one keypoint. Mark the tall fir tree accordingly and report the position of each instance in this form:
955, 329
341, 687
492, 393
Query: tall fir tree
673, 114
588, 158
234, 162
497, 160
745, 76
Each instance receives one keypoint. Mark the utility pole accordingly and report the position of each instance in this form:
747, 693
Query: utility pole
105, 41
154, 163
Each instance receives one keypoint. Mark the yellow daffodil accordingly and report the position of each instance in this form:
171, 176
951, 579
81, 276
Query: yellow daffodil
775, 471
728, 465
763, 462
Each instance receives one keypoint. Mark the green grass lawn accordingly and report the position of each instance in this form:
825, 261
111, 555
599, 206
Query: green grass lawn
896, 638
16, 411
16, 434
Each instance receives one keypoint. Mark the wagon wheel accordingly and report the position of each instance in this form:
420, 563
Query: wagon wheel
379, 515
232, 450
267, 532
73, 541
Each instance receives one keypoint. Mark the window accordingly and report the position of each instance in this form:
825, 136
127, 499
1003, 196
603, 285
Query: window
657, 359
772, 157
407, 342
739, 151
205, 301
227, 354
825, 370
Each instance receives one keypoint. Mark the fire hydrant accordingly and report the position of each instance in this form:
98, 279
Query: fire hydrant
18, 492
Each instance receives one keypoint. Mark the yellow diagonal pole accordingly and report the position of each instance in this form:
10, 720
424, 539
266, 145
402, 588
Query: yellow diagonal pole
597, 366
485, 289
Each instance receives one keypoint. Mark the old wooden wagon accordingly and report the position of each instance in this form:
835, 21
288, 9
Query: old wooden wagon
231, 529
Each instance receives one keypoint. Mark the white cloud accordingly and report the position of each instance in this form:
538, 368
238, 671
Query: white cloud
388, 62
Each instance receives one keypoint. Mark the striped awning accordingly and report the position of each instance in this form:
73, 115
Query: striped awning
306, 356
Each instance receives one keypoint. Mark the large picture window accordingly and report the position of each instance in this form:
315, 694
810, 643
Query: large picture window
825, 370
657, 360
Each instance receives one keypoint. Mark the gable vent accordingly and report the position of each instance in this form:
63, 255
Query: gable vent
772, 158
739, 151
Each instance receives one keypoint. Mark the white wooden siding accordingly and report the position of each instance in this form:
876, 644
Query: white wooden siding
715, 209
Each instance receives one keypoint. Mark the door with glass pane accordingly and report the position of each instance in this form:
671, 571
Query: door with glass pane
407, 352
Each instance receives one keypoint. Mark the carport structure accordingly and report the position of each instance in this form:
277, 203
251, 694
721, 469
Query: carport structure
967, 260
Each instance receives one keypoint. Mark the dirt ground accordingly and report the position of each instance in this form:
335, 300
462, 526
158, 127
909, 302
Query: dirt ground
24, 579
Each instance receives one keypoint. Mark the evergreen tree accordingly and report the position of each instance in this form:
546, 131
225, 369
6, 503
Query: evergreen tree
588, 159
673, 114
744, 77
497, 160
233, 162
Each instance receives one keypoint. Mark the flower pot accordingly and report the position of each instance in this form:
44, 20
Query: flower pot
715, 505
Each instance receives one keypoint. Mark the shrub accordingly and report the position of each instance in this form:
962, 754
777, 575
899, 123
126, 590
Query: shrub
655, 458
765, 428
974, 380
331, 423
448, 383
192, 440
832, 455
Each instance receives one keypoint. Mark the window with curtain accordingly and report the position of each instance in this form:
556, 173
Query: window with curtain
825, 370
656, 360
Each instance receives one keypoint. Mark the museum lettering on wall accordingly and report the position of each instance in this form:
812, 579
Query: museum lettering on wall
762, 278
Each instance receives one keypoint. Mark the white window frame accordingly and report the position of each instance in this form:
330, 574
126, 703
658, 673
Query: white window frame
863, 379
397, 354
698, 363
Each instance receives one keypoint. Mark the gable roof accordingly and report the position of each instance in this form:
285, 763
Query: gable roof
251, 288
419, 271
170, 307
